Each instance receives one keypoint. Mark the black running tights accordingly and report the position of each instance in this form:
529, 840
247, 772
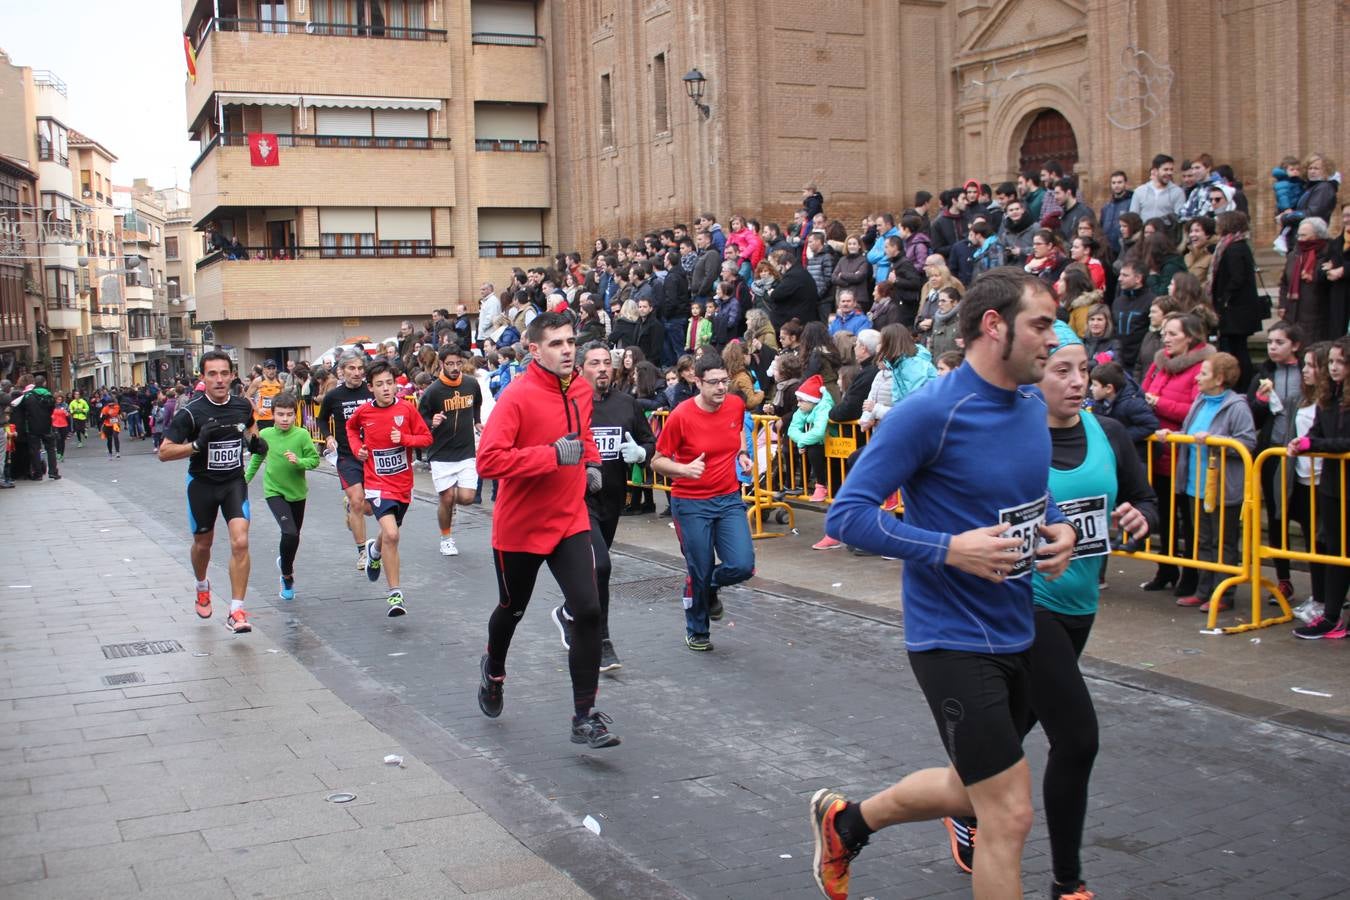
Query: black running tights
572, 563
290, 516
602, 538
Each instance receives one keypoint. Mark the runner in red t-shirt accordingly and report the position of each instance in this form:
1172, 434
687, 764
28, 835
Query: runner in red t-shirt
699, 448
380, 434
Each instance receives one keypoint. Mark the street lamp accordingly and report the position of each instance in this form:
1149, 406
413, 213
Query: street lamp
694, 83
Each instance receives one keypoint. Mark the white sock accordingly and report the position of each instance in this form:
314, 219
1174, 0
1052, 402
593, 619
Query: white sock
204, 585
236, 605
374, 551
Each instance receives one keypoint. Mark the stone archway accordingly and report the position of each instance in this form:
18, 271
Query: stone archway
1049, 136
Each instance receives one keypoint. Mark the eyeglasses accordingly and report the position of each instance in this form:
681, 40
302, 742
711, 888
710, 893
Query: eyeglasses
716, 382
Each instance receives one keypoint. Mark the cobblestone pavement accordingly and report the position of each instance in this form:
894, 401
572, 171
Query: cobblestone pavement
721, 751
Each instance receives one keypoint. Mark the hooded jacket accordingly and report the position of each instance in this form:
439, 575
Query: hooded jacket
918, 248
1131, 410
1233, 420
881, 265
539, 502
1079, 307
1129, 315
36, 407
750, 244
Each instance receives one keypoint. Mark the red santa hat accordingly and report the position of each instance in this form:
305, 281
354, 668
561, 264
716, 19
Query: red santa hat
811, 389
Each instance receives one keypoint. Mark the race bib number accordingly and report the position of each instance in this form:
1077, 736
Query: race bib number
390, 461
265, 403
222, 456
1026, 521
1090, 517
607, 440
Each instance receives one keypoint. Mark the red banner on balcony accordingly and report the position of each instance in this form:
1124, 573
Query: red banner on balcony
262, 149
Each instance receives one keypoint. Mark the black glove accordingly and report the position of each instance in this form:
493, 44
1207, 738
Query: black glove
257, 446
568, 449
594, 478
210, 430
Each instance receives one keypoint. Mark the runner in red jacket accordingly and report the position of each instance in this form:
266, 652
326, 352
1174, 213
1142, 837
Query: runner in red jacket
380, 434
535, 443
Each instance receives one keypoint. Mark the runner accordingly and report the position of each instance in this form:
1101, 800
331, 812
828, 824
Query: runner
338, 405
533, 444
213, 431
263, 392
110, 418
381, 434
290, 454
79, 415
705, 497
624, 439
452, 406
969, 542
1100, 484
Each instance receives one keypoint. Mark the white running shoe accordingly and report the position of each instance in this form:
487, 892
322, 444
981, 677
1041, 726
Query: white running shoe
361, 559
448, 547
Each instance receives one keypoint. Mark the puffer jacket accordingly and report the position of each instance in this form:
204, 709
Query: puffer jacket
808, 429
750, 245
854, 272
1172, 379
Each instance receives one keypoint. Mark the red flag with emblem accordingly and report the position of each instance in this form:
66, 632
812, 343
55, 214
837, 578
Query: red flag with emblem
262, 149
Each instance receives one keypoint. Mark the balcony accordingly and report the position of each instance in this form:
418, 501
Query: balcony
509, 69
105, 321
320, 286
65, 314
139, 296
317, 58
319, 170
142, 345
513, 180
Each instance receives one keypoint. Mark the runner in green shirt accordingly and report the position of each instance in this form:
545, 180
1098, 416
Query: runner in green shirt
290, 453
79, 415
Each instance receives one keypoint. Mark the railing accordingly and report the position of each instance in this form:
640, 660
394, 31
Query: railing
507, 40
322, 29
287, 254
362, 142
506, 249
504, 145
69, 302
48, 78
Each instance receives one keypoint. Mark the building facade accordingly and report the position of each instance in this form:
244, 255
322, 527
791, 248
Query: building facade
20, 296
96, 355
182, 248
140, 223
875, 100
363, 162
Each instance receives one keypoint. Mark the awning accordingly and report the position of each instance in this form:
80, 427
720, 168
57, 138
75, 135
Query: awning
369, 102
258, 99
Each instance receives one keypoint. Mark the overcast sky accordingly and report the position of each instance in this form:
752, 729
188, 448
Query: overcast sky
124, 71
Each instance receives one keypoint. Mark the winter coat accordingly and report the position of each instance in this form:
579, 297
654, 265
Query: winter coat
961, 261
909, 281
945, 331
624, 333
918, 248
1318, 199
750, 245
1173, 381
1069, 219
946, 231
881, 266
808, 429
1130, 409
1159, 283
1236, 301
1079, 308
1100, 350
1310, 309
35, 408
888, 314
850, 406
1198, 259
1338, 292
743, 384
1015, 241
650, 336
912, 373
1148, 349
703, 280
1111, 212
1234, 420
1330, 433
794, 296
854, 272
820, 364
674, 296
729, 320
821, 267
1287, 190
1276, 430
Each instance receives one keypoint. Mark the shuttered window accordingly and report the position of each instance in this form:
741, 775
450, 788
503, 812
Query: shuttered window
659, 105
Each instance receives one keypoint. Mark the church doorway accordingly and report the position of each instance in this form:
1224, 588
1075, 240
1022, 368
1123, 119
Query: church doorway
1048, 137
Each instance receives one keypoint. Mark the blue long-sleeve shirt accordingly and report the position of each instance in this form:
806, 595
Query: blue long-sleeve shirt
965, 454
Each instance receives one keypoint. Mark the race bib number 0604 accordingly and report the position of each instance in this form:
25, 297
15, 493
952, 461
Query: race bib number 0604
1026, 521
1090, 517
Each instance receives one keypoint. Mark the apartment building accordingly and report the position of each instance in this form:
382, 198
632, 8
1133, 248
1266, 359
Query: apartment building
96, 354
369, 160
20, 297
182, 248
140, 222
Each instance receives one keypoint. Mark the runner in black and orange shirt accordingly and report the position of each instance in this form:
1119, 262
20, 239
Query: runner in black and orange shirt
380, 434
263, 391
339, 403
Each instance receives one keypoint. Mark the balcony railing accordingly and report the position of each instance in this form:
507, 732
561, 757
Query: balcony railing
68, 302
347, 142
273, 254
498, 145
507, 40
325, 29
512, 248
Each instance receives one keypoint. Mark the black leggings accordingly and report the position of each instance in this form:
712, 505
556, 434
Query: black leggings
114, 439
602, 538
1334, 528
572, 563
290, 516
1299, 511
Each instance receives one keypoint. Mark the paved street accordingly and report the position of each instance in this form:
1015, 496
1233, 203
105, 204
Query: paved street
707, 796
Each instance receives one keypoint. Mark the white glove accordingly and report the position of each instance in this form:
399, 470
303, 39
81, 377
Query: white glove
631, 451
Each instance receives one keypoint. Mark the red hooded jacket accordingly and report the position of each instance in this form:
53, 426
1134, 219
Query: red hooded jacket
538, 501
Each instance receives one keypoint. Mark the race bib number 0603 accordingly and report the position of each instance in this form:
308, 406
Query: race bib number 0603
1026, 521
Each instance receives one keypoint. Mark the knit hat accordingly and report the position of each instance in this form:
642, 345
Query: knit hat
971, 182
811, 389
1067, 336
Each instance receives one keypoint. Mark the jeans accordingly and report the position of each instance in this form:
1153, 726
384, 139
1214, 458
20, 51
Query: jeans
674, 342
36, 444
708, 530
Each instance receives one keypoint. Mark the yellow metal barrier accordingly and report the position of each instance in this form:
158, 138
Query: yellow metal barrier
763, 491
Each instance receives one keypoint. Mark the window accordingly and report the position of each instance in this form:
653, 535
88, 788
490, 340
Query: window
272, 16
346, 231
171, 248
86, 190
60, 286
660, 105
175, 291
376, 18
606, 112
52, 142
56, 214
404, 232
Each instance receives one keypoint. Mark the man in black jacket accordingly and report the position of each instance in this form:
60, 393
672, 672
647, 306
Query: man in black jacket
703, 279
651, 332
36, 409
673, 310
795, 296
949, 226
850, 405
1130, 311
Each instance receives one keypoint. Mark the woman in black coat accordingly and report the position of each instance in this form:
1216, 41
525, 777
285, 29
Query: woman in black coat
1319, 198
1331, 271
795, 295
1233, 291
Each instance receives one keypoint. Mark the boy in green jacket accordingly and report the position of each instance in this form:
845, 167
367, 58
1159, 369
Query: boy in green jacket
290, 453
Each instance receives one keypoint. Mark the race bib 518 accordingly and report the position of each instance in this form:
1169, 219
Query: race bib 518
607, 440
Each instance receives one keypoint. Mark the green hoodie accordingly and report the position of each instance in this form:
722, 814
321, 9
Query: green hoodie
79, 408
284, 478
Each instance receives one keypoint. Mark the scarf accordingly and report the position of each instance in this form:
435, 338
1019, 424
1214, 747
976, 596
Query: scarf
688, 261
1305, 265
1224, 243
942, 318
448, 383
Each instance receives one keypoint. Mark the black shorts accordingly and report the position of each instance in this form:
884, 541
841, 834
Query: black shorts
980, 702
206, 498
395, 508
351, 471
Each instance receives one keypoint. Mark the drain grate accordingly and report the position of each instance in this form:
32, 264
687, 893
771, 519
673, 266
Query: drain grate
140, 648
651, 590
123, 678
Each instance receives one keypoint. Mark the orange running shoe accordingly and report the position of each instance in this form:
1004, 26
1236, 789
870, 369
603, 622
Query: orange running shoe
1077, 893
962, 830
832, 858
204, 602
238, 622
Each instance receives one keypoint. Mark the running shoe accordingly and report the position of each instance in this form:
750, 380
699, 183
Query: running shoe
361, 557
204, 602
827, 543
448, 547
1320, 627
1191, 600
287, 584
564, 623
1224, 605
1286, 588
715, 609
698, 642
1065, 892
609, 660
490, 699
1308, 610
372, 563
594, 731
396, 607
829, 865
961, 832
1336, 634
238, 622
